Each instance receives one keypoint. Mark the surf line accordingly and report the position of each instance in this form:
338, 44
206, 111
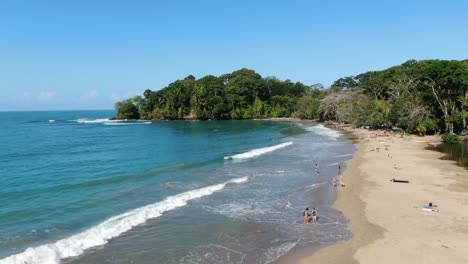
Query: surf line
100, 234
345, 155
257, 152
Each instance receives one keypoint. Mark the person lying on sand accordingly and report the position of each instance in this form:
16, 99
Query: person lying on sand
430, 208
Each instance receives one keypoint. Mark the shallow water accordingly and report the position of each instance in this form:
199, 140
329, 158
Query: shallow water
455, 152
79, 188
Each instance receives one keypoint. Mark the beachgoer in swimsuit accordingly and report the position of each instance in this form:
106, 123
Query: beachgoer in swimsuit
314, 215
334, 182
316, 169
339, 170
306, 216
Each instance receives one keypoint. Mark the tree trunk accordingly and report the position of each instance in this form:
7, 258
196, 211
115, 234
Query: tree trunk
444, 108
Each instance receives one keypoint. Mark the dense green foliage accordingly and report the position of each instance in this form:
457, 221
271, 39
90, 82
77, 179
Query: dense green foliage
451, 139
126, 110
418, 96
242, 94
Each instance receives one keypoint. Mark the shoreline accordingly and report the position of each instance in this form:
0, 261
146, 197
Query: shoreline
385, 218
282, 119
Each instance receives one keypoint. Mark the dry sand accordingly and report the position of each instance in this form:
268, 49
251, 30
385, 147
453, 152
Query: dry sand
386, 219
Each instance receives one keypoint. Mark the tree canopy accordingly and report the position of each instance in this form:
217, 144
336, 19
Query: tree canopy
417, 96
242, 94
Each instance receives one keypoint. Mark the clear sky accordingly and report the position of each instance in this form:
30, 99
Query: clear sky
84, 54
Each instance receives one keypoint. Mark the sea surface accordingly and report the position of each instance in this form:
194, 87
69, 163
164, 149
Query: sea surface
76, 187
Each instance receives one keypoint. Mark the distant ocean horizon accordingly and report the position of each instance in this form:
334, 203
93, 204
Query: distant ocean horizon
78, 187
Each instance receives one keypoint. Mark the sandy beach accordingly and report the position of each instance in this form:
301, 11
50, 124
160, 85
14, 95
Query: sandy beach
386, 218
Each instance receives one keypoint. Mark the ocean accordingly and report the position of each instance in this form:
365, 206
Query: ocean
77, 187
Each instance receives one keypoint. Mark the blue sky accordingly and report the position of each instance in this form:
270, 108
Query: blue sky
57, 55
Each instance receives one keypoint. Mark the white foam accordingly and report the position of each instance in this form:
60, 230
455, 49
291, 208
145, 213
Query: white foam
345, 155
257, 152
51, 120
315, 185
242, 211
275, 253
333, 164
100, 234
93, 121
324, 131
126, 124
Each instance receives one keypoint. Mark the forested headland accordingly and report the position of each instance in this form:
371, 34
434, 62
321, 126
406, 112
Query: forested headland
424, 96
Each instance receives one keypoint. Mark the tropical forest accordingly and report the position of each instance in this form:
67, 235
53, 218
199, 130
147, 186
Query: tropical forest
427, 96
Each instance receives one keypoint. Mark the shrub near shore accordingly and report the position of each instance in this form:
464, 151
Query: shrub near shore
451, 139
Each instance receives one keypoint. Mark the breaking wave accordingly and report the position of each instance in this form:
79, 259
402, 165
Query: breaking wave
126, 124
93, 121
257, 152
324, 131
100, 234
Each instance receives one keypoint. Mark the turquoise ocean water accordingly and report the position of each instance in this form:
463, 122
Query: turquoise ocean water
77, 187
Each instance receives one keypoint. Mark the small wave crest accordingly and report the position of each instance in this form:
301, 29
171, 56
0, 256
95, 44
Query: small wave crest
257, 152
345, 155
51, 120
92, 121
321, 130
109, 122
126, 124
110, 228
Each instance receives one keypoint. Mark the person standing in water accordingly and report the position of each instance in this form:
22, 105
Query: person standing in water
314, 215
306, 216
339, 170
316, 169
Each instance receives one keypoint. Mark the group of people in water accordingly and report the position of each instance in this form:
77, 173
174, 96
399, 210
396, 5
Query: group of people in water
335, 180
308, 217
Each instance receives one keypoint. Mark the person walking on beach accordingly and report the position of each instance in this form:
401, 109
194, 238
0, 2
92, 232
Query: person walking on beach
339, 170
314, 215
306, 216
316, 169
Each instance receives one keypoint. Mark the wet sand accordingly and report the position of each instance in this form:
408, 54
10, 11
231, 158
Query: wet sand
386, 219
